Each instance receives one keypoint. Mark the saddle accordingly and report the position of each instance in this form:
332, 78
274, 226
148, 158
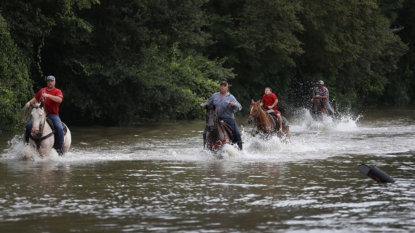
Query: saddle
274, 117
228, 130
65, 130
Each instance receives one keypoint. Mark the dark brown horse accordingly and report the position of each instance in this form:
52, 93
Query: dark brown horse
217, 132
318, 110
265, 122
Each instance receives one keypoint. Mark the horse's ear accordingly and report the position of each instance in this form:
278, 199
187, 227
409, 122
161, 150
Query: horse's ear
252, 101
258, 102
41, 105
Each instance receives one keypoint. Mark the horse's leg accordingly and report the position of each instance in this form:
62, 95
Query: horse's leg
67, 141
46, 144
287, 131
285, 127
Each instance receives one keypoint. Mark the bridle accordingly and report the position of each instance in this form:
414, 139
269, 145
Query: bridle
257, 112
38, 137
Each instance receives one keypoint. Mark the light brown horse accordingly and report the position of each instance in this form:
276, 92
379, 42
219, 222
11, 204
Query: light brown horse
318, 110
265, 122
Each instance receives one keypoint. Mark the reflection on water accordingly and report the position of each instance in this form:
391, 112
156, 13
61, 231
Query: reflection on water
158, 178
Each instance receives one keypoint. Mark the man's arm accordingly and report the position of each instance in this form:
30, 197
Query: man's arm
274, 104
327, 93
208, 102
30, 102
235, 104
53, 97
313, 94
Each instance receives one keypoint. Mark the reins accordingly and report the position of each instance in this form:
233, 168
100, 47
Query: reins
224, 111
38, 137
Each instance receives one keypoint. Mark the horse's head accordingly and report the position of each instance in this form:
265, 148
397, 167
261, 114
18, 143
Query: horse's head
254, 110
38, 117
210, 117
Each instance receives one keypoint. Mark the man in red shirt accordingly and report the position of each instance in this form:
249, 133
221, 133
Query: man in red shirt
51, 98
270, 101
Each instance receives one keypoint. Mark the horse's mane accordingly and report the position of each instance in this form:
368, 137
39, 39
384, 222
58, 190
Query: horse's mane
26, 113
260, 109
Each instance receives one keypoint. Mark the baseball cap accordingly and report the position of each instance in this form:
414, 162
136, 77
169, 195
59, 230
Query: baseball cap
50, 77
224, 82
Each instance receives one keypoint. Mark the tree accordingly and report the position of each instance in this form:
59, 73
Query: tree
134, 61
401, 86
15, 84
351, 45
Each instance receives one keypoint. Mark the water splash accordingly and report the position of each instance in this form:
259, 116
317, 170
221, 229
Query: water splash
303, 121
347, 123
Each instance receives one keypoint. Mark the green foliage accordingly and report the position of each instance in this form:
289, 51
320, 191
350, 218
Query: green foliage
15, 84
134, 61
401, 83
125, 61
266, 33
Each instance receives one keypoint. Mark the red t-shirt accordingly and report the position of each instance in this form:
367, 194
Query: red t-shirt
51, 107
268, 100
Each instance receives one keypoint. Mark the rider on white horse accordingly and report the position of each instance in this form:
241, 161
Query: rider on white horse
51, 97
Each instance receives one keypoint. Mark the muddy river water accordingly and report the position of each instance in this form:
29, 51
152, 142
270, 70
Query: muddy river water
157, 178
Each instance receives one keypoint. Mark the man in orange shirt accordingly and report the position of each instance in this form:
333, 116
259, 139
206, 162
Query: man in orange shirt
270, 101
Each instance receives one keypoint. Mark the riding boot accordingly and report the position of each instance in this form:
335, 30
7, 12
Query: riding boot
240, 145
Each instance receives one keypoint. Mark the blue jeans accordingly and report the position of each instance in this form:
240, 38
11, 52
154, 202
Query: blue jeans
234, 127
57, 123
327, 104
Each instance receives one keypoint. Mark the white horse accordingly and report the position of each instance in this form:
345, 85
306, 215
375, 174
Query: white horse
42, 138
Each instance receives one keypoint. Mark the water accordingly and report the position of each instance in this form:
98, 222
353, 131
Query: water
157, 178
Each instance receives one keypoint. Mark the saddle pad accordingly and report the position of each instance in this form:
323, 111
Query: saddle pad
270, 111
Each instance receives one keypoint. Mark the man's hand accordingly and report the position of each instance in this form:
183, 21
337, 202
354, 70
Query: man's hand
27, 104
270, 107
232, 104
202, 105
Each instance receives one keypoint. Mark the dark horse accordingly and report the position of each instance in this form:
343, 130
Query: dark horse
318, 110
265, 122
218, 132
